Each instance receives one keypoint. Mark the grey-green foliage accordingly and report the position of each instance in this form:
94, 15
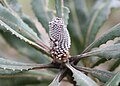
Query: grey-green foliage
20, 45
102, 75
83, 24
109, 35
108, 52
80, 78
13, 65
56, 82
114, 81
23, 79
17, 8
98, 16
40, 7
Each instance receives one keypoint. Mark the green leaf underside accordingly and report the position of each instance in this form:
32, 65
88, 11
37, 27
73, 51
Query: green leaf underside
109, 35
114, 81
5, 27
98, 16
102, 75
16, 66
80, 78
108, 52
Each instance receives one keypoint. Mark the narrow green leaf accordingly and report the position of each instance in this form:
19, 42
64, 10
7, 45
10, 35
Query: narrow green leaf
115, 65
74, 27
80, 78
50, 15
100, 61
62, 11
13, 65
23, 80
114, 81
16, 23
66, 15
19, 81
16, 7
41, 12
102, 75
21, 46
3, 3
108, 52
9, 72
5, 27
56, 81
58, 6
81, 11
109, 35
98, 16
25, 49
30, 23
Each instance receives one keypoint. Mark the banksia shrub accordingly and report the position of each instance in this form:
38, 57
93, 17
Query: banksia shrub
65, 46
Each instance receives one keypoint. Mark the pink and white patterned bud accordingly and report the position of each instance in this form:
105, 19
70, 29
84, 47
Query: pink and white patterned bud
59, 40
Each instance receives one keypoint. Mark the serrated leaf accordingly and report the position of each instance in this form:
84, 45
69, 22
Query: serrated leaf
13, 65
98, 16
56, 81
16, 7
102, 75
108, 52
25, 49
30, 23
16, 23
21, 46
19, 26
109, 35
80, 78
5, 27
41, 12
114, 81
9, 72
